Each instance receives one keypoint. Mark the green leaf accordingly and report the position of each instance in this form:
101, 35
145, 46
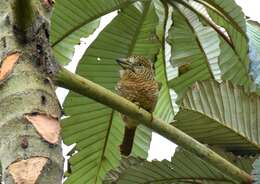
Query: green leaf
184, 168
231, 66
96, 129
256, 171
195, 49
72, 20
228, 10
164, 107
230, 16
221, 114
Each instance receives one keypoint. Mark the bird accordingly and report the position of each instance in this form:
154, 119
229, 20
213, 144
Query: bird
137, 84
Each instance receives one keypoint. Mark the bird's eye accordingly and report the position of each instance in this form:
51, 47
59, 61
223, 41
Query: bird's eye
140, 64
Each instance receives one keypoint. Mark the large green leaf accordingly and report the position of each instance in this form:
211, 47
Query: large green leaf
195, 50
227, 14
231, 67
165, 71
72, 20
233, 59
221, 114
164, 107
230, 16
96, 129
185, 168
230, 64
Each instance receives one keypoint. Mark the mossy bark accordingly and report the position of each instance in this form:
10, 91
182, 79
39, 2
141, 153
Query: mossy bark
27, 90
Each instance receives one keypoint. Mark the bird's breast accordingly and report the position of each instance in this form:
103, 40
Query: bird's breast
144, 93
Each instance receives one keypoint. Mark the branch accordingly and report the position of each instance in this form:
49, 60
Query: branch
78, 84
23, 14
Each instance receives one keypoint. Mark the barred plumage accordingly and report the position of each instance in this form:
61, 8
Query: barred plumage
137, 84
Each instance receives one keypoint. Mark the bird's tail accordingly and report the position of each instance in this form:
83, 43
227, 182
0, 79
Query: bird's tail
127, 144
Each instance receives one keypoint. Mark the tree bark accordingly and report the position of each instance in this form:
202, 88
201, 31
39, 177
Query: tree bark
30, 147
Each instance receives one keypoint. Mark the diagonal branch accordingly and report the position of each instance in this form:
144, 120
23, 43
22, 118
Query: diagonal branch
78, 84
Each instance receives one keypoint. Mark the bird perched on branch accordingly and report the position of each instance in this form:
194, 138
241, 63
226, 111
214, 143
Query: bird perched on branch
137, 83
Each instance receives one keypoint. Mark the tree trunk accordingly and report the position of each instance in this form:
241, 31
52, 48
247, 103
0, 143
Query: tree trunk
30, 147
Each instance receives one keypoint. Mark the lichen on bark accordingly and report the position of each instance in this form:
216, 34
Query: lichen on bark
27, 90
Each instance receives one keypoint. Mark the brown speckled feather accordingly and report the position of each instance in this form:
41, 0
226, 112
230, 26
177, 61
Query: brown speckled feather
136, 84
143, 93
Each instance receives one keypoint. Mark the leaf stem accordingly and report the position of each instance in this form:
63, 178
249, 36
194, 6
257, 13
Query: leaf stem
76, 83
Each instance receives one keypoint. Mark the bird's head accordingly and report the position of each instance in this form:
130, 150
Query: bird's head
137, 66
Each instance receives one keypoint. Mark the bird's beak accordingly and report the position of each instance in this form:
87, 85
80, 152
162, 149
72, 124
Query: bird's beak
124, 63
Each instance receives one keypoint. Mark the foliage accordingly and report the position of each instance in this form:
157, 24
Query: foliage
221, 114
208, 41
183, 168
97, 129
